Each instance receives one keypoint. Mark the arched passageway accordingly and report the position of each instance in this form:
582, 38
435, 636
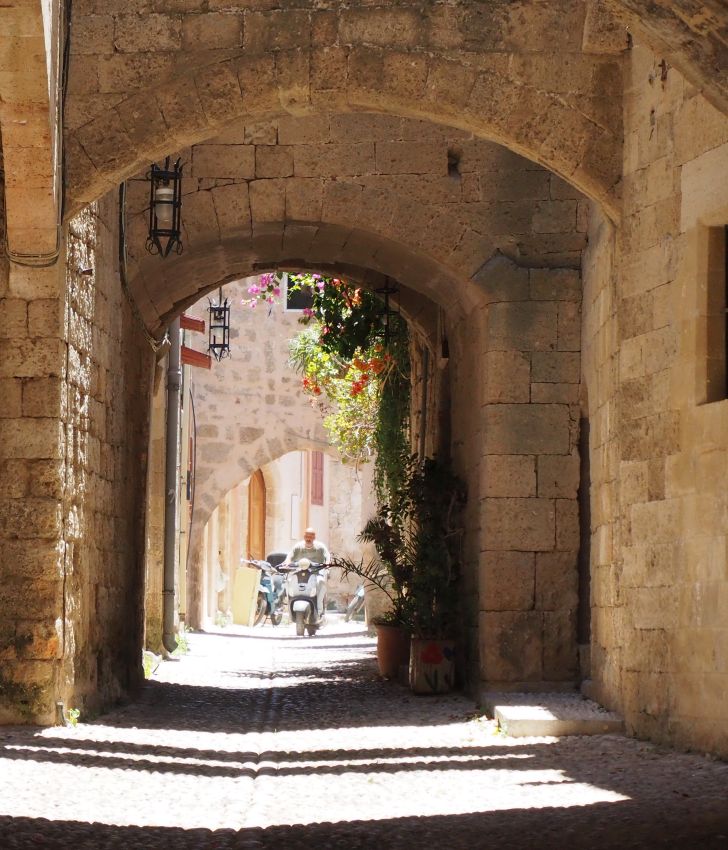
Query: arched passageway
454, 249
75, 365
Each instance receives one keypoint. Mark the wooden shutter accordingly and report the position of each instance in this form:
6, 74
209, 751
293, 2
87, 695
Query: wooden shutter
317, 478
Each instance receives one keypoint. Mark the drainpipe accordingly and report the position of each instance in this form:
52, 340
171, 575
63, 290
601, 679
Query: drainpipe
174, 376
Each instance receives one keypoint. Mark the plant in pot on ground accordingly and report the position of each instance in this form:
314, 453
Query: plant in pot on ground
435, 500
417, 537
390, 572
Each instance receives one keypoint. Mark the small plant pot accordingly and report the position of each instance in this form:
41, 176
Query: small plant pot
432, 666
393, 649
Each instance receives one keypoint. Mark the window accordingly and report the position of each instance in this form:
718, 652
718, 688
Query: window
317, 478
299, 299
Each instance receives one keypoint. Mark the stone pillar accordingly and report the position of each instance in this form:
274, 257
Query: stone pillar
530, 475
34, 561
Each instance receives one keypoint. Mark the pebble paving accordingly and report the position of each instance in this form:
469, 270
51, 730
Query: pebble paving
259, 739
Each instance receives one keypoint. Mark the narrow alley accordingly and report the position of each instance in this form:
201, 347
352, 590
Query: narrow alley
259, 739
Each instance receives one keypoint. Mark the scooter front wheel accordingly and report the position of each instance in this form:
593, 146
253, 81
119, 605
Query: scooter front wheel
299, 623
261, 605
276, 617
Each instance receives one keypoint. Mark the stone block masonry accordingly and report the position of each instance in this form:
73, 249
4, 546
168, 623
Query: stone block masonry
71, 464
529, 477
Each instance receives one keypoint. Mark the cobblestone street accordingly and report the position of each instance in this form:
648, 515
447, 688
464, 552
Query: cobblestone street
261, 740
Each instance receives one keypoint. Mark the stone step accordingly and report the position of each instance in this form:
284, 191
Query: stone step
523, 715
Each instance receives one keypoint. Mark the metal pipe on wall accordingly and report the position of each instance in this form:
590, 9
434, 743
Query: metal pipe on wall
174, 382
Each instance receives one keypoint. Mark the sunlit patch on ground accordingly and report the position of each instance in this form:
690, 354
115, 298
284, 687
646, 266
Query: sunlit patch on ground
259, 730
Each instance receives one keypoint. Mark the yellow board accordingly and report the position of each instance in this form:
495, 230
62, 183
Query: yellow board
245, 595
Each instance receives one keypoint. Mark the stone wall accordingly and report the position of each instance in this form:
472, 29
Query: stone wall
140, 78
529, 475
428, 206
249, 407
75, 374
658, 447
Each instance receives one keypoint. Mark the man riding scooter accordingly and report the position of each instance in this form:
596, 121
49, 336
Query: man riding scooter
307, 576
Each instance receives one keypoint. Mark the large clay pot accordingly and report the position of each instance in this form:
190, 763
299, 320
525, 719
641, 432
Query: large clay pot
393, 648
432, 666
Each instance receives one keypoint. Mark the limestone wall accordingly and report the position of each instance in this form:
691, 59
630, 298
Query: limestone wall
75, 377
249, 407
529, 474
108, 379
140, 78
659, 447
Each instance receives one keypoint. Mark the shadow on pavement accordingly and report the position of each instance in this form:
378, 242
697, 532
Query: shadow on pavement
603, 826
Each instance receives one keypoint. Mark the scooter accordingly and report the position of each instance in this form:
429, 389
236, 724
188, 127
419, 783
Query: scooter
306, 585
272, 595
356, 603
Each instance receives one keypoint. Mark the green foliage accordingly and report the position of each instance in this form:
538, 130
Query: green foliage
183, 644
74, 715
349, 317
434, 499
417, 538
343, 364
150, 662
392, 435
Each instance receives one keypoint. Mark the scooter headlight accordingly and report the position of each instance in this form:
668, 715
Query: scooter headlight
304, 563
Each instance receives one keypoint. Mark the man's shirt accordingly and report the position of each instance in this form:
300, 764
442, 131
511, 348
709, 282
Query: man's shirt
317, 553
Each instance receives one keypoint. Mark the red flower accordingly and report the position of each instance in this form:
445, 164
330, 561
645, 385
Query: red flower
431, 654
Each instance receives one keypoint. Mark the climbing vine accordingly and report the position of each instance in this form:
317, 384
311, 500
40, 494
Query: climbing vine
354, 364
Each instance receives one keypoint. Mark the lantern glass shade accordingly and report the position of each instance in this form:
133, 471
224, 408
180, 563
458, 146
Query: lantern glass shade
165, 204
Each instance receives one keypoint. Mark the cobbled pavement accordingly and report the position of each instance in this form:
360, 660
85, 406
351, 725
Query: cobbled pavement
259, 739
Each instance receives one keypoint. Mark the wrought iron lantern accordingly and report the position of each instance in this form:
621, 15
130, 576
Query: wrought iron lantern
165, 205
219, 333
388, 332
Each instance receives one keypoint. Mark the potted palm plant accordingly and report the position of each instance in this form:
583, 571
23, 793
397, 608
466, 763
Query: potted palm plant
436, 499
388, 572
417, 539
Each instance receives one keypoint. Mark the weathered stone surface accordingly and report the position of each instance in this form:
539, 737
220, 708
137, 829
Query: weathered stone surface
216, 161
532, 429
511, 646
507, 581
556, 581
559, 95
558, 477
508, 475
525, 525
507, 377
523, 326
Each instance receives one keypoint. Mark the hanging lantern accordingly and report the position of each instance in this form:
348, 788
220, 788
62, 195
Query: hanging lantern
219, 333
388, 331
165, 206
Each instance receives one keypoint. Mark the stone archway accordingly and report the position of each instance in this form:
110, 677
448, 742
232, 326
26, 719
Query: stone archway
471, 67
429, 207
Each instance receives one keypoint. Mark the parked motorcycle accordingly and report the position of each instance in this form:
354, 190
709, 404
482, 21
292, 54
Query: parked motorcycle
356, 603
272, 597
306, 585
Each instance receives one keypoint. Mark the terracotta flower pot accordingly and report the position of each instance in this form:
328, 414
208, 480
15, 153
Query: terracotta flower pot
432, 666
393, 649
